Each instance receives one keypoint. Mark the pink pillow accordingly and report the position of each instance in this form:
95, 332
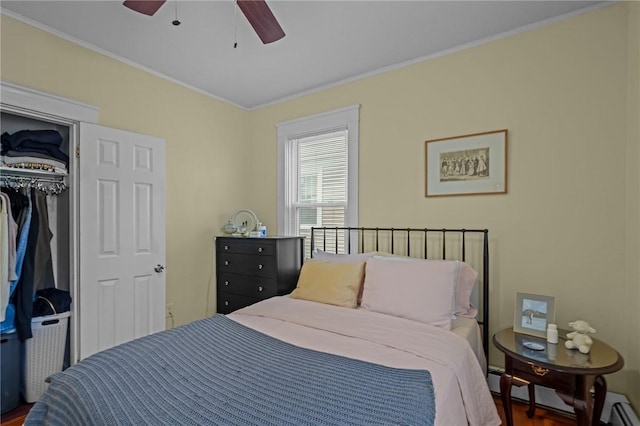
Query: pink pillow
465, 282
421, 291
466, 279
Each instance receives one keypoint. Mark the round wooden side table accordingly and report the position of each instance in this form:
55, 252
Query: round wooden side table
570, 373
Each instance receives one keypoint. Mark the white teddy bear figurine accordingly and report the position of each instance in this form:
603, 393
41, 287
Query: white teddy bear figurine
578, 338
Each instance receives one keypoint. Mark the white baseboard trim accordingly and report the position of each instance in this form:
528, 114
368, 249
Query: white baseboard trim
548, 398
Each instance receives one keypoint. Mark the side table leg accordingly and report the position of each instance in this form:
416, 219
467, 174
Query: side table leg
532, 400
600, 390
506, 381
582, 399
580, 407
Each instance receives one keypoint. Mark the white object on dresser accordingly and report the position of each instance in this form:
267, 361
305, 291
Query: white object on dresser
552, 333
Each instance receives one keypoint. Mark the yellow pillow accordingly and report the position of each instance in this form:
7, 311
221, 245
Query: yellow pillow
330, 282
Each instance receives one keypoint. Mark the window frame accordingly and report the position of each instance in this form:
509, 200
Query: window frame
343, 118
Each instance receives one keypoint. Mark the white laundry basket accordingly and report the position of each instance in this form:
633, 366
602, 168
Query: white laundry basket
43, 353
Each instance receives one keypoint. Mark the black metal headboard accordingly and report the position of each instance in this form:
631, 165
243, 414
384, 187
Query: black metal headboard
423, 243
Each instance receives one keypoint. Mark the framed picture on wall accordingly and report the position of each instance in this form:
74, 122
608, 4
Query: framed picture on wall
466, 165
533, 313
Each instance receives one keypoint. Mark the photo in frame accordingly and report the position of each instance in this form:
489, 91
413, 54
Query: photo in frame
533, 313
466, 165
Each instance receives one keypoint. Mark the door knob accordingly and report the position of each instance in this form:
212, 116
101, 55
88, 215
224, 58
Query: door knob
159, 268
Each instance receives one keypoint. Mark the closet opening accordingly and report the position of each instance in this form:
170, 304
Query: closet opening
36, 251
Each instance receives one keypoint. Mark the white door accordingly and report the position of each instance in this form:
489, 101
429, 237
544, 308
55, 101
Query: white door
122, 237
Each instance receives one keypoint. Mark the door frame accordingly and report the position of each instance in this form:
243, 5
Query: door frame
45, 106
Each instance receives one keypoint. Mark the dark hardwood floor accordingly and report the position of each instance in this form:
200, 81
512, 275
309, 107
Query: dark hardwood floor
543, 417
16, 417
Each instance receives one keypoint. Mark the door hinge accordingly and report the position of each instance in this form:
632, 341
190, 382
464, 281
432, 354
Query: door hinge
77, 152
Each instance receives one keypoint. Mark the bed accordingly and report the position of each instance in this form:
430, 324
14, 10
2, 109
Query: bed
330, 353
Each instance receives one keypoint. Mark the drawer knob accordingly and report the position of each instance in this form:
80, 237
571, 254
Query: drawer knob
260, 266
540, 371
226, 263
226, 283
260, 288
226, 247
226, 303
259, 249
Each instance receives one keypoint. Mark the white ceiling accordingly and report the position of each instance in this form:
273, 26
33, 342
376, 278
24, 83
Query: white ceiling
326, 42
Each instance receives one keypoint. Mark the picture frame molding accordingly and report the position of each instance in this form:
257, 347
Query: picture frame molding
494, 142
518, 325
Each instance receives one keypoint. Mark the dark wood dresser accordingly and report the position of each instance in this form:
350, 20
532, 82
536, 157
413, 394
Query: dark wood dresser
252, 269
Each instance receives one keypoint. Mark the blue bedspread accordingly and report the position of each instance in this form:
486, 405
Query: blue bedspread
218, 372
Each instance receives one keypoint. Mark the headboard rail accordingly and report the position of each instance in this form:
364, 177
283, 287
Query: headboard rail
426, 243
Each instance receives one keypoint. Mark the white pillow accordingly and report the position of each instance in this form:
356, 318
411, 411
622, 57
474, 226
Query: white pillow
421, 291
343, 258
466, 280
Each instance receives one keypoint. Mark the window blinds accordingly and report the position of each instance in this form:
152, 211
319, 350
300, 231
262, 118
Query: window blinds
317, 176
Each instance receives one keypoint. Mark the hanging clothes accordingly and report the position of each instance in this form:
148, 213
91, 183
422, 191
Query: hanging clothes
43, 265
26, 257
4, 256
19, 203
12, 235
24, 224
8, 235
23, 295
37, 266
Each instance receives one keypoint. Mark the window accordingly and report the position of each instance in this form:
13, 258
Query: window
318, 172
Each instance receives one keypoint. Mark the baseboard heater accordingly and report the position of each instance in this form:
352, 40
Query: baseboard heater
616, 412
623, 415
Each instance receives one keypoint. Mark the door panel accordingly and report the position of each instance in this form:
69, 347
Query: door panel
108, 218
122, 237
143, 207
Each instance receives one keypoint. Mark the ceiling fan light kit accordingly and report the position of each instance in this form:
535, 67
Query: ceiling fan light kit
257, 12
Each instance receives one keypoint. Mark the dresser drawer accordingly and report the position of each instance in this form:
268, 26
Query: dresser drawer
257, 247
259, 287
228, 302
263, 266
542, 376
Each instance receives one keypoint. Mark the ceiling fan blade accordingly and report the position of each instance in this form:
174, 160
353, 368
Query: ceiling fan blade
147, 7
262, 20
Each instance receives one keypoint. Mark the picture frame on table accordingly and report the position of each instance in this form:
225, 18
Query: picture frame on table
466, 165
533, 313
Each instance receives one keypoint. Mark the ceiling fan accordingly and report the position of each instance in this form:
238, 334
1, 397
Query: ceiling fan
257, 13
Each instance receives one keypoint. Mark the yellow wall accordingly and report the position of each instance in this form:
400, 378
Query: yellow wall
633, 205
563, 228
567, 92
205, 140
